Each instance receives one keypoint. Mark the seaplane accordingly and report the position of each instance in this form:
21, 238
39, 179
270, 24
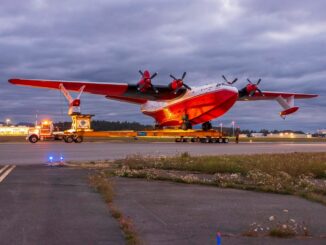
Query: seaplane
175, 104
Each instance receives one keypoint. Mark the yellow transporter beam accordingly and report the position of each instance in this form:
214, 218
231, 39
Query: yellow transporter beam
155, 133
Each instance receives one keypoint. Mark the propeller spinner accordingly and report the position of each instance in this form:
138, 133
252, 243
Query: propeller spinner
178, 83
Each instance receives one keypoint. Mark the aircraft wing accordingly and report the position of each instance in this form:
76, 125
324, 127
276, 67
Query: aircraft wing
268, 95
286, 100
117, 91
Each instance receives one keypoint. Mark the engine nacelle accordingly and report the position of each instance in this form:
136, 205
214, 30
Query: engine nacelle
175, 84
144, 84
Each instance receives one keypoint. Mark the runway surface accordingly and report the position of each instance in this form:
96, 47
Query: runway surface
51, 205
183, 214
46, 205
26, 153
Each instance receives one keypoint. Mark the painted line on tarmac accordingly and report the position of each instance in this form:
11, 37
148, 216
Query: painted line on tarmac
5, 171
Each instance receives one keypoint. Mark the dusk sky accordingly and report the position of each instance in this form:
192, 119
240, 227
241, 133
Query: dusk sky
282, 42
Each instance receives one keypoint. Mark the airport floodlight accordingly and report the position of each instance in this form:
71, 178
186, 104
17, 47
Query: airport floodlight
8, 121
233, 124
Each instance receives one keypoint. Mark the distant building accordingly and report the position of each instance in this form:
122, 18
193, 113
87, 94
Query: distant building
257, 135
289, 135
243, 136
321, 131
13, 130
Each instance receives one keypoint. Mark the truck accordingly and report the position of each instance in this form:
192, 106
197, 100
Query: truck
45, 130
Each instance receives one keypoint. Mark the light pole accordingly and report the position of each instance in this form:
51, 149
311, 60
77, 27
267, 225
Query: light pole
221, 125
8, 121
233, 124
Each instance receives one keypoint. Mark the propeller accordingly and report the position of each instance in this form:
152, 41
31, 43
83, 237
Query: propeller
253, 87
228, 82
147, 81
178, 83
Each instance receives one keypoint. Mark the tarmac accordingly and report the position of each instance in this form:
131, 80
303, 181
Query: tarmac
174, 213
26, 153
56, 205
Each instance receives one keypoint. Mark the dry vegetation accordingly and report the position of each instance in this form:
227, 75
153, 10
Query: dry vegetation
102, 183
282, 226
302, 174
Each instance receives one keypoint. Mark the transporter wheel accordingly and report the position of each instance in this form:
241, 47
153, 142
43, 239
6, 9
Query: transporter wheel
202, 140
220, 140
208, 140
68, 139
33, 139
78, 139
214, 140
225, 140
184, 140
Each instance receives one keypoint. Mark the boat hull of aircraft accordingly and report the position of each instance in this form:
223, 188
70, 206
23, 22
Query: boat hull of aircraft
198, 109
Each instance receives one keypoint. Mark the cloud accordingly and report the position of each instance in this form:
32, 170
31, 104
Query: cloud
108, 41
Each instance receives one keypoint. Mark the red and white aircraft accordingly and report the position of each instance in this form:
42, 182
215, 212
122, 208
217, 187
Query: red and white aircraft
175, 104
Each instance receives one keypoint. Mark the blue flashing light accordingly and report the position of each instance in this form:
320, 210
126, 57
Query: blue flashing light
218, 238
50, 158
61, 158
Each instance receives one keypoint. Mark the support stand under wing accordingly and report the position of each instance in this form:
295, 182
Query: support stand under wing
74, 104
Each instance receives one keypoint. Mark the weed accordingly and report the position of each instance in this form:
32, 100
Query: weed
102, 183
301, 174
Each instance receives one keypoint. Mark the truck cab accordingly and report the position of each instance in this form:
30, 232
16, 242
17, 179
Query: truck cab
42, 131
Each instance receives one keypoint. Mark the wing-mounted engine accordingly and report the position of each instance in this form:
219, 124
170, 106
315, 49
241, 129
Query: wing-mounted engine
287, 104
285, 100
145, 84
178, 83
250, 89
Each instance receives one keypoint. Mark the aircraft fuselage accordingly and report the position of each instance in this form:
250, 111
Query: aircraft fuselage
200, 105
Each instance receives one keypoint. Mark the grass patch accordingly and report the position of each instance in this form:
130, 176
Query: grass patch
102, 184
281, 232
293, 164
301, 174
